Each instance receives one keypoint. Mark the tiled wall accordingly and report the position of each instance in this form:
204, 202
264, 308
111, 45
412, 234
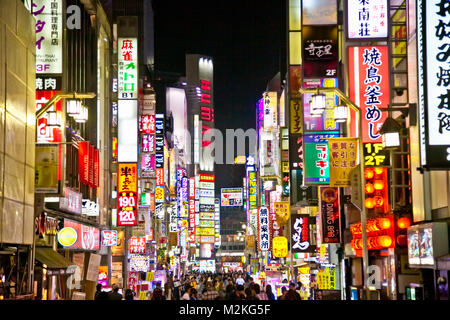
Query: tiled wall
17, 122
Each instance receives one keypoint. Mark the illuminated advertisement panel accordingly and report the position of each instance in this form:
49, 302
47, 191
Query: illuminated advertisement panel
128, 68
367, 20
127, 194
128, 131
317, 166
369, 87
433, 83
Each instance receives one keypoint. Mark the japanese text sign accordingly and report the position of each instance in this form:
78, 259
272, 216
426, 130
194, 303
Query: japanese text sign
301, 234
343, 156
317, 167
128, 68
109, 238
433, 35
49, 32
367, 19
369, 87
136, 245
147, 123
280, 247
127, 189
263, 229
282, 212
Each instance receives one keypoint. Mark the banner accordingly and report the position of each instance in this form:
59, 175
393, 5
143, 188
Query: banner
330, 215
301, 234
343, 155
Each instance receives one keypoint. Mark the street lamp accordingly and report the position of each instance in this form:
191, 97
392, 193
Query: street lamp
317, 104
391, 133
341, 113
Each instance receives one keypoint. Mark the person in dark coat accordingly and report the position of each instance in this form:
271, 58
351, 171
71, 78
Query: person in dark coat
114, 294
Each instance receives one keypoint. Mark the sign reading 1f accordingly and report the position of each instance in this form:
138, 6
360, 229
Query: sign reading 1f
128, 68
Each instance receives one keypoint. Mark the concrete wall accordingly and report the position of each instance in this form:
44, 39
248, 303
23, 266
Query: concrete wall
17, 122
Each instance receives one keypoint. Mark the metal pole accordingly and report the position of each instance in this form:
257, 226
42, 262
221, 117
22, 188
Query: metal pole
363, 208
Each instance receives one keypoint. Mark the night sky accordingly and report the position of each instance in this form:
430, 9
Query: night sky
246, 39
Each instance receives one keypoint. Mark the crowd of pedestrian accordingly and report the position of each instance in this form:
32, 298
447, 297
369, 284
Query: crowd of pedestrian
209, 286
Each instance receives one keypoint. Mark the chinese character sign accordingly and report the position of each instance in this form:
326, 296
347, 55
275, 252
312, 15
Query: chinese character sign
49, 32
369, 87
367, 19
127, 189
343, 156
434, 79
296, 116
282, 212
301, 234
109, 238
128, 68
147, 123
270, 110
148, 143
252, 190
136, 245
317, 166
263, 229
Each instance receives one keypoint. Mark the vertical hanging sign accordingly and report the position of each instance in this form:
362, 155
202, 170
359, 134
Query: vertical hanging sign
128, 68
433, 33
369, 87
127, 189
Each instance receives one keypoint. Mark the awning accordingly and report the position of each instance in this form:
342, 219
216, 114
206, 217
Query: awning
52, 259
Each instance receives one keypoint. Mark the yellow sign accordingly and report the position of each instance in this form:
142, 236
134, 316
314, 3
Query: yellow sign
282, 212
47, 169
205, 231
285, 166
67, 236
343, 153
280, 247
240, 160
119, 249
251, 241
149, 276
127, 177
296, 116
400, 32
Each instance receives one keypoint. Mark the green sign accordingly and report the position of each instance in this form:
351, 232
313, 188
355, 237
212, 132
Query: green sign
317, 165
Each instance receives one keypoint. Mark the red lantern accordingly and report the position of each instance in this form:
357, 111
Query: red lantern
403, 223
378, 184
369, 203
369, 188
368, 173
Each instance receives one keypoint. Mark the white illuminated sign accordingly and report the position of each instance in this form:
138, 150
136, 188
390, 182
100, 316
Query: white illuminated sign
433, 82
49, 31
128, 131
367, 19
128, 68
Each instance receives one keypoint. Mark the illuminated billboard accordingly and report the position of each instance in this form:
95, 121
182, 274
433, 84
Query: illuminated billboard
231, 197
